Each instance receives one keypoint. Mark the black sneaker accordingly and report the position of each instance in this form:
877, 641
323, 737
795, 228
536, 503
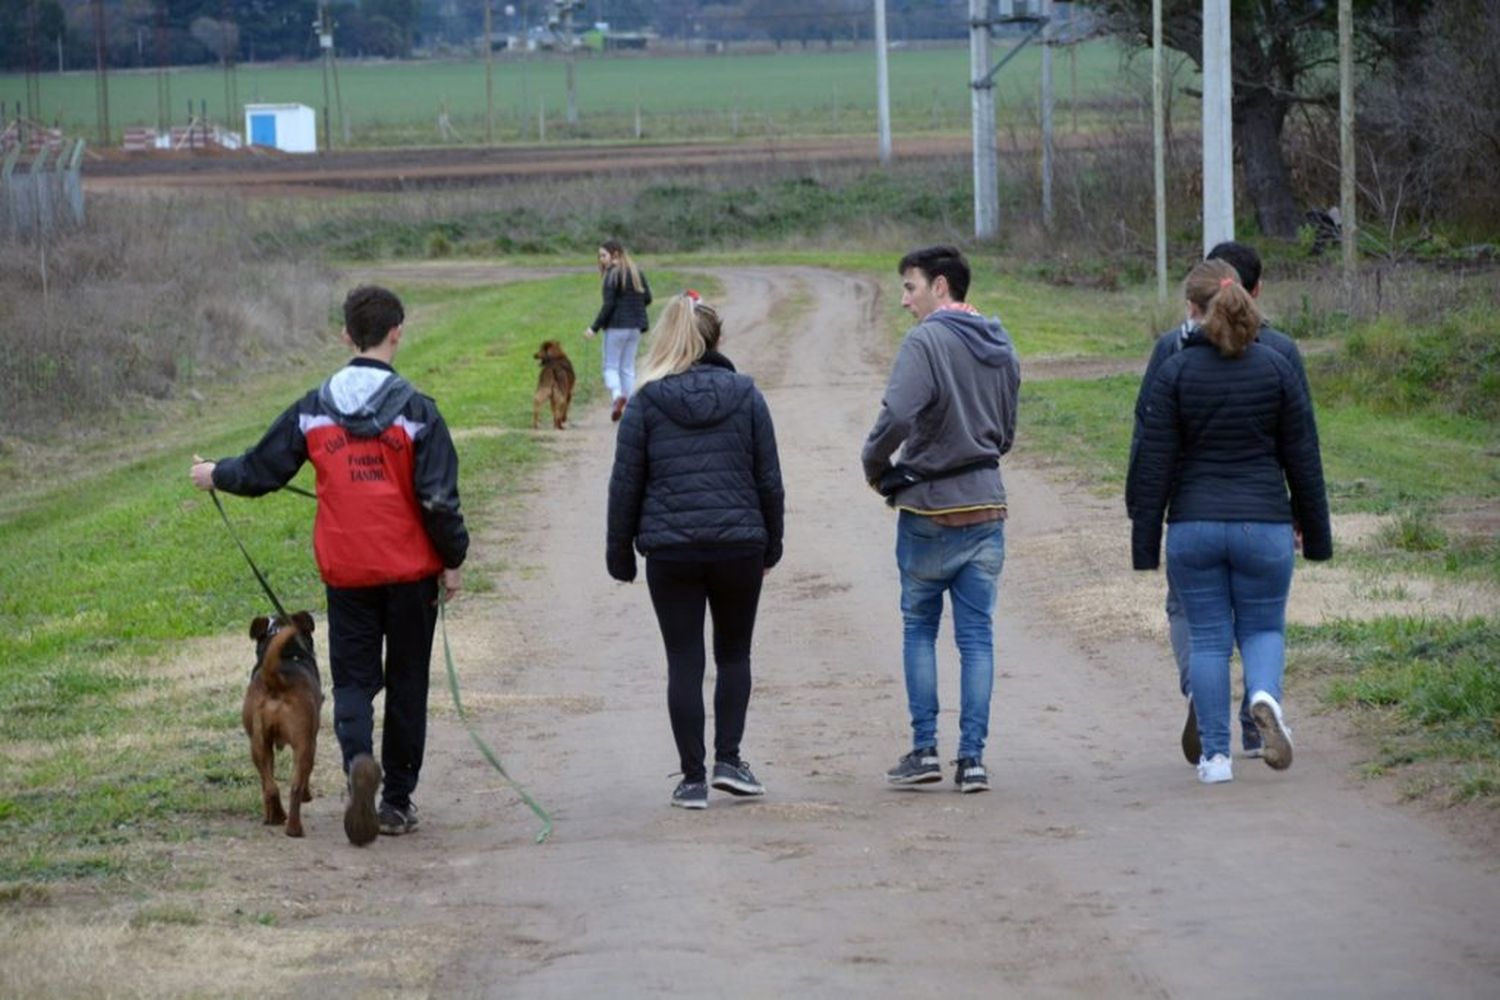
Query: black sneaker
736, 779
1192, 749
920, 767
360, 822
394, 821
690, 795
970, 776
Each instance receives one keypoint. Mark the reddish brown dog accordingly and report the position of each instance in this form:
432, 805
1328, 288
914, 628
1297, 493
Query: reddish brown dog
554, 384
282, 707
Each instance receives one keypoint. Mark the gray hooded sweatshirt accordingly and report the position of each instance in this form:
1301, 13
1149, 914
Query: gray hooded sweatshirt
951, 401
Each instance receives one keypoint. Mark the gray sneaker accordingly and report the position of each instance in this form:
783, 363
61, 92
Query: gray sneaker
920, 767
736, 779
970, 776
394, 821
360, 822
690, 795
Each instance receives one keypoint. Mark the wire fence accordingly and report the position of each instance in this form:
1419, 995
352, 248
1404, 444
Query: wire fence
41, 189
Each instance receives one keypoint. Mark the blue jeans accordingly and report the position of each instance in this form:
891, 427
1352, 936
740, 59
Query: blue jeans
1232, 578
965, 563
1182, 647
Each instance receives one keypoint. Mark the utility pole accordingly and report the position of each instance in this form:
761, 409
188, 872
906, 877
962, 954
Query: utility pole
982, 83
1218, 126
562, 20
982, 124
882, 83
1159, 150
1348, 224
324, 27
228, 39
1047, 102
489, 79
163, 84
101, 56
34, 65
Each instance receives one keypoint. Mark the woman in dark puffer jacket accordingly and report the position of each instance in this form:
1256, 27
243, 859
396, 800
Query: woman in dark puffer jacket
622, 319
1229, 452
696, 487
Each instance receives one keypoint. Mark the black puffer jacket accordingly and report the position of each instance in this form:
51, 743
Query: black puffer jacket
696, 473
623, 308
1223, 440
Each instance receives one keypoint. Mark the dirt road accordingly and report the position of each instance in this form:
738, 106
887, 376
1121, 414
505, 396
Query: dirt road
1097, 866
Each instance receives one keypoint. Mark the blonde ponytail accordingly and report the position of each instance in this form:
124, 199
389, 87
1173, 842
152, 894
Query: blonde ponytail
686, 328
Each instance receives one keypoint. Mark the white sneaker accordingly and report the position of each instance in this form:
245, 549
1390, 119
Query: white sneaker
1275, 734
1215, 770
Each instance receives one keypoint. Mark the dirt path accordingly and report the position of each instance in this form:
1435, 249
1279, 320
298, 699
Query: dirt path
1098, 866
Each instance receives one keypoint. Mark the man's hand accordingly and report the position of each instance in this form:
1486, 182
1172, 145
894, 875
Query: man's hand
588, 332
202, 473
452, 581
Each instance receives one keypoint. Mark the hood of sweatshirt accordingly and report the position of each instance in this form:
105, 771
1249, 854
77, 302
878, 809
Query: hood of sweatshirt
702, 396
365, 397
985, 338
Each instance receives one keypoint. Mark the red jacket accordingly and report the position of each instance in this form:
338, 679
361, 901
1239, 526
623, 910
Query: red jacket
388, 508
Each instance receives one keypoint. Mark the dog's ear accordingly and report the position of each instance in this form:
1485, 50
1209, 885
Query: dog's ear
258, 627
304, 622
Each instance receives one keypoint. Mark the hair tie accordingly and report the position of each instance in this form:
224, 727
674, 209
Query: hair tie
693, 297
1225, 282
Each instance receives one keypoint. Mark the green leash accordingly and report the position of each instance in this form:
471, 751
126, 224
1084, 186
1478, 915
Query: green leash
484, 747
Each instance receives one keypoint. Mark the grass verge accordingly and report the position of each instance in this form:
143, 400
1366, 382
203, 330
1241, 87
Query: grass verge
108, 572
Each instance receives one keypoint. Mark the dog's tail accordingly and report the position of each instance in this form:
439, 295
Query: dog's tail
270, 664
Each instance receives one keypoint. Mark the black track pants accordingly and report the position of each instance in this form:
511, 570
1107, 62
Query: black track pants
730, 589
399, 619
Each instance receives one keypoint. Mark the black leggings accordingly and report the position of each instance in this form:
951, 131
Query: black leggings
679, 591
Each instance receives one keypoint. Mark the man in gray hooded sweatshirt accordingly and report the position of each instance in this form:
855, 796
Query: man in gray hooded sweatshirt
950, 407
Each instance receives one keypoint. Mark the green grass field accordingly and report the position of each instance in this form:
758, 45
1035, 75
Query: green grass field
105, 571
680, 96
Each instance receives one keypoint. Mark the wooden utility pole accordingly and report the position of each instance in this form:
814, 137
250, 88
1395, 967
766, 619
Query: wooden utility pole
1047, 102
324, 27
101, 56
982, 124
1348, 224
1218, 126
489, 78
1159, 149
882, 83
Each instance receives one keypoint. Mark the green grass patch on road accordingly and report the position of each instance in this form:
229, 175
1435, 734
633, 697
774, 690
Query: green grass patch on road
105, 572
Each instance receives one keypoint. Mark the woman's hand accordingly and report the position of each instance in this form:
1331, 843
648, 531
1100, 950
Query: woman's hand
588, 332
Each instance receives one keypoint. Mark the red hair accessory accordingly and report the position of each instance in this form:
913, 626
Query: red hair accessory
1225, 282
690, 293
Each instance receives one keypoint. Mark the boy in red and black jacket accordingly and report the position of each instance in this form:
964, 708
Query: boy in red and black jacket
388, 533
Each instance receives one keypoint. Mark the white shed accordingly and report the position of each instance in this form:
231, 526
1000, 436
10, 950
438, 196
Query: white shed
291, 128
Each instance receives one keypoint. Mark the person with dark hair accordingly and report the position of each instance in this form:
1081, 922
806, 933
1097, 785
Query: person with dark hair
1228, 451
622, 317
696, 487
388, 533
1247, 266
950, 406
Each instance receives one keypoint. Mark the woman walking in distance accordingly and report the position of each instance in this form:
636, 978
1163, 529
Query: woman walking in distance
1229, 452
696, 488
622, 317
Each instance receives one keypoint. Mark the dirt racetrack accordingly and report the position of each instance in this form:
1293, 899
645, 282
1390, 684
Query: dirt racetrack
1097, 867
399, 169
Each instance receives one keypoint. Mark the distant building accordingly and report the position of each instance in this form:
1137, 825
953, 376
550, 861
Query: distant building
291, 128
